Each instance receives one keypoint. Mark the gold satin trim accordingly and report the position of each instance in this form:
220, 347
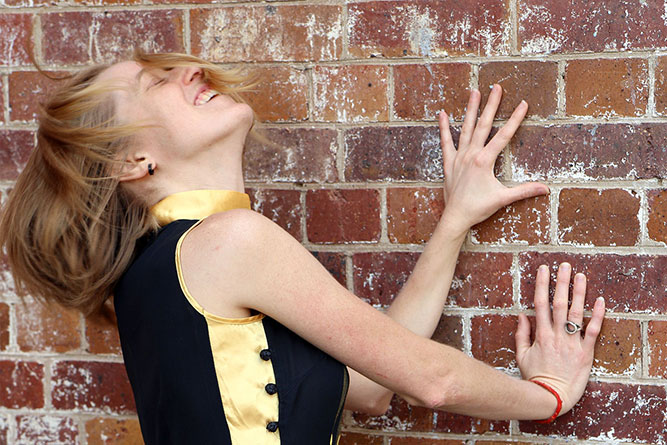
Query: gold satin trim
198, 204
241, 373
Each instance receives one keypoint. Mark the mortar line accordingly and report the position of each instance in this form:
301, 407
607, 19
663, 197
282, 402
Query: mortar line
187, 38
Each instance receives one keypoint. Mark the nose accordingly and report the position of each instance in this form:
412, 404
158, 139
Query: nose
191, 74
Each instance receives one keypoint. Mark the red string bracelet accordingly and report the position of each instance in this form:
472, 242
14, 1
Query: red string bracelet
559, 402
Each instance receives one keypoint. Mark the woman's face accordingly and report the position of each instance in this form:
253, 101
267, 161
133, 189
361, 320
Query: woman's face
190, 117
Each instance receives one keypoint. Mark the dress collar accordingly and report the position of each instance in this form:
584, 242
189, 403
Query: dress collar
198, 204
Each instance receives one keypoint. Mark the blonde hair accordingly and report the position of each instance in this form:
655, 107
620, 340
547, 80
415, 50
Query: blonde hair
69, 229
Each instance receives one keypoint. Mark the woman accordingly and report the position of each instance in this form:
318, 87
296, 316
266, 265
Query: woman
231, 331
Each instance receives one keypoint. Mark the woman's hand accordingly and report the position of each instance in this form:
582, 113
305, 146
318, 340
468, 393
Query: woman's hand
558, 358
472, 192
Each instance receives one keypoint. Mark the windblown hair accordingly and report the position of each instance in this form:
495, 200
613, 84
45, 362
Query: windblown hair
69, 229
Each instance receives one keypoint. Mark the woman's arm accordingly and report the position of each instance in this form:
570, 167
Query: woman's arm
472, 193
239, 259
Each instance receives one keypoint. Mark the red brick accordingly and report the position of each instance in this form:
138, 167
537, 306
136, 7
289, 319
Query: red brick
2, 108
45, 429
347, 438
413, 214
611, 411
428, 28
343, 216
106, 431
102, 334
618, 349
585, 152
502, 442
379, 276
525, 222
657, 346
4, 430
281, 206
27, 90
591, 26
281, 95
335, 263
421, 91
4, 326
350, 93
21, 384
492, 338
47, 328
629, 283
80, 37
393, 154
455, 423
661, 86
482, 280
532, 81
91, 386
15, 147
598, 217
292, 155
606, 87
267, 33
449, 331
400, 416
423, 441
16, 44
657, 215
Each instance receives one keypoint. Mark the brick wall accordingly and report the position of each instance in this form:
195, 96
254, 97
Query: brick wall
351, 89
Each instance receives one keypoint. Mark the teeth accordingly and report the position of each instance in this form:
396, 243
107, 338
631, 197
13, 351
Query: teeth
205, 96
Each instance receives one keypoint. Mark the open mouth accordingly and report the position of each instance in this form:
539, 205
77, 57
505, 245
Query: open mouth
205, 96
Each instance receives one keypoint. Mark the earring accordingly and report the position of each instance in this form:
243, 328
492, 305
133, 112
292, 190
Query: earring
151, 170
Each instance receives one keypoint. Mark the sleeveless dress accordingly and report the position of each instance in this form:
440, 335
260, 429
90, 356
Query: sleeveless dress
198, 378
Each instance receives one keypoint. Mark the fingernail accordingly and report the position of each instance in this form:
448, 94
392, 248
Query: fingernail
564, 266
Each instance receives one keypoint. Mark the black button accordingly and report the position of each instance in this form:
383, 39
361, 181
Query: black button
272, 426
265, 354
271, 388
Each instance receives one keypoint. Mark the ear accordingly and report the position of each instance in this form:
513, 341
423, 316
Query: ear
135, 168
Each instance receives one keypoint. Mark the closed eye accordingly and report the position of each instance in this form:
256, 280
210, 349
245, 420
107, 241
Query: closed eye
157, 82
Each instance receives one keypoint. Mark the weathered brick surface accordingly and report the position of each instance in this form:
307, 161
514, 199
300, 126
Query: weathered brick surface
421, 91
102, 334
15, 45
347, 438
4, 430
80, 37
281, 94
482, 280
281, 206
657, 215
534, 82
292, 155
378, 277
21, 384
657, 346
27, 90
334, 263
342, 216
598, 217
589, 152
629, 283
15, 147
458, 424
91, 387
597, 25
400, 416
350, 93
423, 441
43, 429
606, 87
267, 33
393, 154
47, 328
413, 213
449, 331
492, 338
618, 349
104, 430
427, 28
661, 86
612, 411
4, 326
523, 222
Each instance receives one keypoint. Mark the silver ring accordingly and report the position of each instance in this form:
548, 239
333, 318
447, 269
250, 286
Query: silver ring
571, 327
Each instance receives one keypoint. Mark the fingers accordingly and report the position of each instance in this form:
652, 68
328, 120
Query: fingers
523, 191
446, 142
594, 326
561, 295
505, 134
470, 119
542, 311
576, 313
485, 123
522, 335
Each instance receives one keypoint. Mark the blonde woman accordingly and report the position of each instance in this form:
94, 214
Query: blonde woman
231, 331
